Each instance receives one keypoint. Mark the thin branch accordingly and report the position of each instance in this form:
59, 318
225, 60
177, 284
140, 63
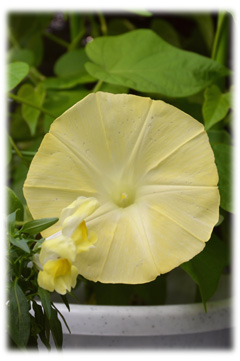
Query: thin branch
56, 39
25, 101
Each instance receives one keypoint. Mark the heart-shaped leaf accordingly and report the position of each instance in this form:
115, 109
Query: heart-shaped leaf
143, 61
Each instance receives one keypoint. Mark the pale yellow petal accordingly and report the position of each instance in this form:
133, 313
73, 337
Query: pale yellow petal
190, 164
170, 243
194, 208
45, 281
122, 253
73, 215
60, 246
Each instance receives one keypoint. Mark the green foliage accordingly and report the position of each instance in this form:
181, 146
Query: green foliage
182, 59
19, 317
38, 225
206, 268
215, 106
223, 156
14, 204
16, 73
23, 290
145, 62
35, 96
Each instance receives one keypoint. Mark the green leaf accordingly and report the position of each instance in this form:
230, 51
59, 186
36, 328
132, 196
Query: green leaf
71, 64
143, 61
67, 83
16, 72
65, 301
216, 106
14, 204
36, 97
11, 219
20, 243
39, 319
223, 159
219, 136
38, 225
19, 317
24, 55
56, 329
206, 268
46, 301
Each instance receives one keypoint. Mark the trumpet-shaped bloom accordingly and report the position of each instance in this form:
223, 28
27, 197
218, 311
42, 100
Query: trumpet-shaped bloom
151, 168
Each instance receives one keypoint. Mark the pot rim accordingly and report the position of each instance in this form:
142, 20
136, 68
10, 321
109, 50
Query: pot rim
146, 320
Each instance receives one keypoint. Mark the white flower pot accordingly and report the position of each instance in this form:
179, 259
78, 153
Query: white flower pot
175, 325
148, 326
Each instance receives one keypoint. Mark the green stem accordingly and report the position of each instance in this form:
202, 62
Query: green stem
219, 35
56, 39
97, 86
37, 74
103, 23
75, 41
25, 101
12, 38
25, 153
17, 150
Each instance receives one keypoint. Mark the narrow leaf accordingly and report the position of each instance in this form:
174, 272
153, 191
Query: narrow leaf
56, 329
20, 243
19, 317
38, 225
46, 301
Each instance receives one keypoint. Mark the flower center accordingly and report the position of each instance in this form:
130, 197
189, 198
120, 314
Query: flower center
124, 197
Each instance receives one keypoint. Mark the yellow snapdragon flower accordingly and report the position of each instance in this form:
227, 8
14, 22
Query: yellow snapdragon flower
59, 251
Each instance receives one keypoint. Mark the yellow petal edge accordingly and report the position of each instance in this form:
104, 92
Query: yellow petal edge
151, 169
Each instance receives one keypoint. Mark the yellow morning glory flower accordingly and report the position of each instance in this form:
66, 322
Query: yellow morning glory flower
151, 168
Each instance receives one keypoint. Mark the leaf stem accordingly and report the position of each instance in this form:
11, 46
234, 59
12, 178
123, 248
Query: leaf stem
218, 35
103, 24
18, 152
56, 39
76, 40
25, 153
25, 101
97, 86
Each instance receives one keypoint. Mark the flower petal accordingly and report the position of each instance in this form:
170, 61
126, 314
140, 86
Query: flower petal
60, 246
122, 253
73, 215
